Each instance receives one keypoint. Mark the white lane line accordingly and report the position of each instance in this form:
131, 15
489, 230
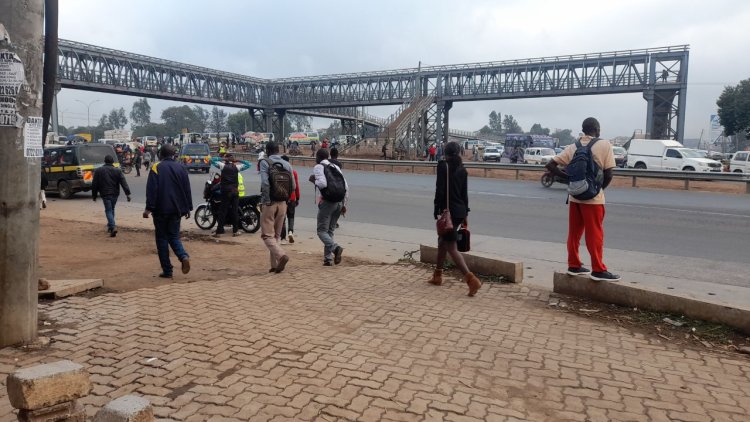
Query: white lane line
509, 195
720, 214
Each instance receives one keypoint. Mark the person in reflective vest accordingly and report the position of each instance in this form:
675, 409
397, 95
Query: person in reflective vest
241, 185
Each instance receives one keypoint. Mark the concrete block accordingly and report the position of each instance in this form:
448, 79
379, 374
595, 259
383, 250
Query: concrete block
126, 409
69, 412
635, 295
47, 385
512, 271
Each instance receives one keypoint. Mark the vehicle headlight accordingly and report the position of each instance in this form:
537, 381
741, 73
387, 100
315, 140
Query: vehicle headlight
544, 161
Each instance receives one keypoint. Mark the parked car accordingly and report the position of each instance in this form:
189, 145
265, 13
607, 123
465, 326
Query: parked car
740, 162
621, 156
196, 157
492, 154
538, 155
665, 154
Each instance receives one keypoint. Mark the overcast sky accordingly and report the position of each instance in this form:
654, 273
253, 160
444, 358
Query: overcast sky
281, 38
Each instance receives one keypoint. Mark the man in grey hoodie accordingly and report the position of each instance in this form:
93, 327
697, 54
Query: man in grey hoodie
274, 206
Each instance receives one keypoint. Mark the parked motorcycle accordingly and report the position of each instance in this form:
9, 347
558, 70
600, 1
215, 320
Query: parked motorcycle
548, 179
205, 214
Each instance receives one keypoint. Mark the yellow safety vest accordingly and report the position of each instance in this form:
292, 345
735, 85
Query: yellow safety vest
241, 185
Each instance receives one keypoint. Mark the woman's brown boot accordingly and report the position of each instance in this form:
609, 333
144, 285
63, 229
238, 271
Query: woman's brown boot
473, 282
437, 278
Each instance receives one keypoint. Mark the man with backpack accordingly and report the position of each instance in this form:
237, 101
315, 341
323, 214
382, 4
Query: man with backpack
332, 196
276, 187
589, 163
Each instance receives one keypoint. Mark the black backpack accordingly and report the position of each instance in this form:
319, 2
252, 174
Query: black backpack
584, 174
335, 190
280, 180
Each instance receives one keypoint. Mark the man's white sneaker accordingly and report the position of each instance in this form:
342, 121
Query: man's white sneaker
290, 236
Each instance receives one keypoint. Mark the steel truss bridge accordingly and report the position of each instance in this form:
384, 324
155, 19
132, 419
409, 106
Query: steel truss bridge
659, 74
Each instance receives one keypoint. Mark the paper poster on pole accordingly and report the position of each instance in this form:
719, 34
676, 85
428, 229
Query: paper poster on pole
11, 81
32, 138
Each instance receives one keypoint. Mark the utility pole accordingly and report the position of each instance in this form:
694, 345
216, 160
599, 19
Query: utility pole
20, 160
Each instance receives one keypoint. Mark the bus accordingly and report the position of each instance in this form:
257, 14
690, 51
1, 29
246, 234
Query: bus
516, 143
305, 138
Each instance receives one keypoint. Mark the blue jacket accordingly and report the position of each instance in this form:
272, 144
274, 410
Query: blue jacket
168, 189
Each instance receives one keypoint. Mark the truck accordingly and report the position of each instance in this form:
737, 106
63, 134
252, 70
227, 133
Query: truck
666, 154
121, 135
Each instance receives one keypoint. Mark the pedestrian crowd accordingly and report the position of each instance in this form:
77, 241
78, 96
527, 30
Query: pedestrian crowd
587, 164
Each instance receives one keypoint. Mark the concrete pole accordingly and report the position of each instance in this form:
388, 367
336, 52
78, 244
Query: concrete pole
21, 25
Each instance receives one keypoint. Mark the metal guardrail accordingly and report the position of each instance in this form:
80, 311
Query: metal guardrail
686, 176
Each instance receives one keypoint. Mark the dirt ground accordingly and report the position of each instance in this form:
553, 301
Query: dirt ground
73, 249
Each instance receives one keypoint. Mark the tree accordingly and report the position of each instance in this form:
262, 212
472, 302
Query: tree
334, 129
299, 123
485, 130
178, 118
202, 118
510, 125
734, 111
104, 122
218, 120
154, 129
537, 129
495, 123
565, 136
117, 119
239, 122
140, 114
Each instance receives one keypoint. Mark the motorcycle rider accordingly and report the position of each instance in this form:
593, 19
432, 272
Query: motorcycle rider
230, 193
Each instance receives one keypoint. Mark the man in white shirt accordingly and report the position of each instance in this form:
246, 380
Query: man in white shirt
331, 196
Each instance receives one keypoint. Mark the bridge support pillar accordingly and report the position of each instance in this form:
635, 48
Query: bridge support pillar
666, 94
441, 120
276, 119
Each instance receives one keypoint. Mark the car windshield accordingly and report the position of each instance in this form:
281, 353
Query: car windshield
547, 151
619, 150
690, 153
195, 150
94, 154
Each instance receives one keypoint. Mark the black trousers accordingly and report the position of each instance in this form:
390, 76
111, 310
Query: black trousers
229, 210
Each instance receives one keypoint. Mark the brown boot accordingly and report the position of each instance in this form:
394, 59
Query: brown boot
437, 278
473, 282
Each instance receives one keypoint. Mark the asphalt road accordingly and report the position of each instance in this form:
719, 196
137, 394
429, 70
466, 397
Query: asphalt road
678, 223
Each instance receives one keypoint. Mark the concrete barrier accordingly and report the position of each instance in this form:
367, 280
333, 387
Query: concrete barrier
635, 295
512, 271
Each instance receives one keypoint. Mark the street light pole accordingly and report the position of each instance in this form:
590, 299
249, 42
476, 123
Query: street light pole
88, 111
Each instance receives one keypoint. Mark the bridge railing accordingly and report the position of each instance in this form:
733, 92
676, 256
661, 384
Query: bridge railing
633, 174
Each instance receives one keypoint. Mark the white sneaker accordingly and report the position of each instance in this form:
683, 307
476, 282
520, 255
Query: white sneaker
283, 241
290, 236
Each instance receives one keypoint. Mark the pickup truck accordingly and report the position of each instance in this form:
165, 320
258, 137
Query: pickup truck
657, 154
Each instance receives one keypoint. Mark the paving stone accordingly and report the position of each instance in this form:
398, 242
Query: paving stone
126, 409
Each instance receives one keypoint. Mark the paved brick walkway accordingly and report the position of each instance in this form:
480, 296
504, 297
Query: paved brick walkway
376, 343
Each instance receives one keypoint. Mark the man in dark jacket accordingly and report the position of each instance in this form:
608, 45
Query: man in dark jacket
229, 207
168, 198
106, 183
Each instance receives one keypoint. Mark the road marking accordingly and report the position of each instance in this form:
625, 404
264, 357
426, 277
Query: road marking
720, 214
509, 195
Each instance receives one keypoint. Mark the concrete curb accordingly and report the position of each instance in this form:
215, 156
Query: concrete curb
513, 271
635, 295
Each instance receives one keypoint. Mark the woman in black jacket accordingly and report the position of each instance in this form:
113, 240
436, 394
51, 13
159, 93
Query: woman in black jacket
458, 204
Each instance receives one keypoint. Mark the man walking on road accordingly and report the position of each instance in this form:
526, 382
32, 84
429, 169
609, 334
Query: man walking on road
276, 187
106, 183
332, 196
587, 215
168, 198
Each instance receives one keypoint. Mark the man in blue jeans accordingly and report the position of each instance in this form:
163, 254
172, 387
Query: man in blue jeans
168, 198
106, 183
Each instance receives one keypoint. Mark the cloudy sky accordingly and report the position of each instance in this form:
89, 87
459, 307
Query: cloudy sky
281, 38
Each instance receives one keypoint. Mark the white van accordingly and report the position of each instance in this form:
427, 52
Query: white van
538, 155
666, 154
740, 162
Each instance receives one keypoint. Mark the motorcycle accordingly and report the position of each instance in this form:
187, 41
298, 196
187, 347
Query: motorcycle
205, 214
548, 179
